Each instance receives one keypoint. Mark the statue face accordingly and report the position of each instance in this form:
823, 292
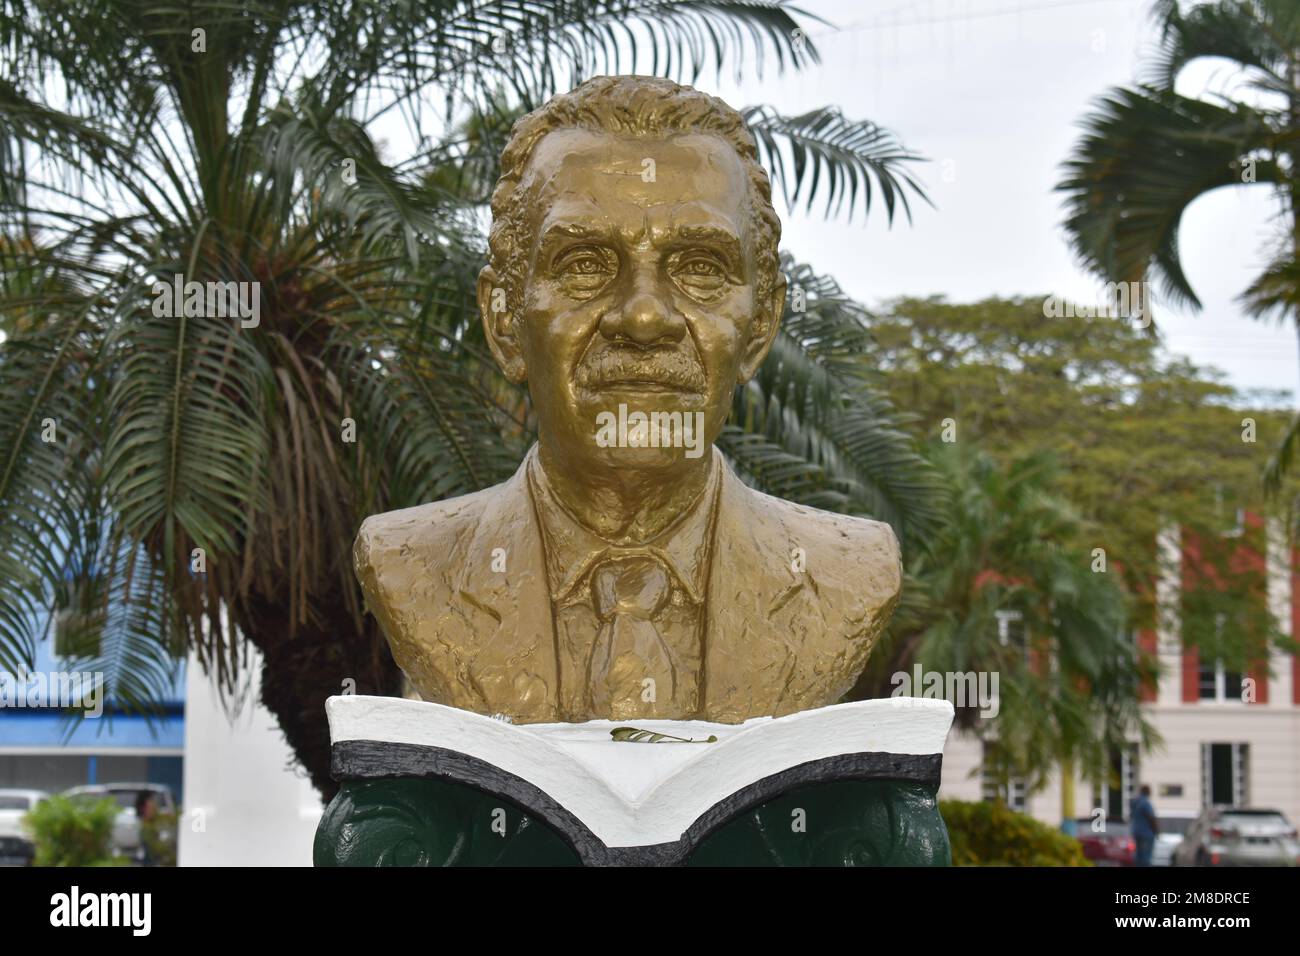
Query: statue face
639, 294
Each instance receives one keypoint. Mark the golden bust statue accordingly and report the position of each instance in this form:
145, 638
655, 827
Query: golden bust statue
624, 571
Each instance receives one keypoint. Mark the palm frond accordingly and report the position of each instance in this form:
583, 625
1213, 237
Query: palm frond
1145, 157
1249, 34
1279, 463
63, 572
1070, 688
41, 437
823, 148
187, 443
306, 155
535, 48
814, 398
118, 620
421, 410
763, 464
1275, 292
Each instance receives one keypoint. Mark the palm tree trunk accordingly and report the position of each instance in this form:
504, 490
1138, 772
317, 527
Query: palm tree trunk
1293, 110
1067, 790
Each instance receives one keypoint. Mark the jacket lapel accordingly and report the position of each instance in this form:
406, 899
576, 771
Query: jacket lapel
513, 663
753, 606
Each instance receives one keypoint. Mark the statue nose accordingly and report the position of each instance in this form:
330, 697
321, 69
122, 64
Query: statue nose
645, 318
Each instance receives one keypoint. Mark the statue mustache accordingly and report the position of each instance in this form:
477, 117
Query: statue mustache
613, 366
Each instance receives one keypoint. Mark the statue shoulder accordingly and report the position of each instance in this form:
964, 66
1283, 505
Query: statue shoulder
860, 555
395, 538
859, 558
831, 583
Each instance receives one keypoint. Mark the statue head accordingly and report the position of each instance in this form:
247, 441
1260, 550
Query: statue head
633, 264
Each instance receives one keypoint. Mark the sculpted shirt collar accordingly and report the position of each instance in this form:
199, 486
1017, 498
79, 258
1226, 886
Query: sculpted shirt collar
572, 551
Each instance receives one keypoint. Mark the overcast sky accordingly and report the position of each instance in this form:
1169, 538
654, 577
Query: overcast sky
991, 91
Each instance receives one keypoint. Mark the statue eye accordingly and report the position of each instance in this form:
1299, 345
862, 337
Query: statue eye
699, 272
700, 267
583, 263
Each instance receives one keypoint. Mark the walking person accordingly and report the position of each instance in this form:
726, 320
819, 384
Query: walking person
1144, 826
145, 810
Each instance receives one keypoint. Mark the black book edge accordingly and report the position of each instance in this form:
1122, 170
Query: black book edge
371, 759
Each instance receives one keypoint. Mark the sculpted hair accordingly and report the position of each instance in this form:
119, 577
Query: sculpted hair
628, 105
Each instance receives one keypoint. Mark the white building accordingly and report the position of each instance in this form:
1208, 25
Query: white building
247, 803
1217, 748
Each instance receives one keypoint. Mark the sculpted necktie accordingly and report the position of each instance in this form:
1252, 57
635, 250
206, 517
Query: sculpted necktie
627, 594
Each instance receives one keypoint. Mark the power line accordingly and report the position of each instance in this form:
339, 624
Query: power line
876, 23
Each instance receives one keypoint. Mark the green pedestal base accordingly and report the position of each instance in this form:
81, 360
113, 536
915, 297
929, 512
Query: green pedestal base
430, 822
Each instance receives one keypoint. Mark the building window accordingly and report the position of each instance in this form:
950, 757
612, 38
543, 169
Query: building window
1011, 792
1120, 789
1012, 632
1225, 774
1132, 637
1219, 684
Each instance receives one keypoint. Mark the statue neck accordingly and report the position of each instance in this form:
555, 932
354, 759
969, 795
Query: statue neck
626, 506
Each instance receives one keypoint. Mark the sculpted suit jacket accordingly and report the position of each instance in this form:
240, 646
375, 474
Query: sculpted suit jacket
782, 634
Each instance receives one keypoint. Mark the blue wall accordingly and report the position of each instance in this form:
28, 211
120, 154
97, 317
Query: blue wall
60, 751
42, 727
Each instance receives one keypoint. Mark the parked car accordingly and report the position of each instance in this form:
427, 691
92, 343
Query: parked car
126, 830
1111, 846
1173, 825
15, 846
1236, 836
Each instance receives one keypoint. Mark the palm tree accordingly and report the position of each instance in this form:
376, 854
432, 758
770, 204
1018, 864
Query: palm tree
1148, 152
1068, 678
188, 483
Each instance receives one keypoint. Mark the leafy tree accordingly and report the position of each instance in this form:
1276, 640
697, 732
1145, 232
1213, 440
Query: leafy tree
201, 488
1148, 152
1068, 676
1142, 441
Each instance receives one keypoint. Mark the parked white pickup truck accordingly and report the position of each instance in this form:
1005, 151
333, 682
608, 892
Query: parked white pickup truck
15, 845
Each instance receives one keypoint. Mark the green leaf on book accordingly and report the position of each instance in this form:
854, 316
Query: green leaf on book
634, 735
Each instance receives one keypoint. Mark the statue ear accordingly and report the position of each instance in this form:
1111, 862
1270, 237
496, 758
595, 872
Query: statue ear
762, 331
499, 326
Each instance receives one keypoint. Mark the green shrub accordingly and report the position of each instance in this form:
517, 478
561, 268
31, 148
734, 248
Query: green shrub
990, 834
159, 836
73, 832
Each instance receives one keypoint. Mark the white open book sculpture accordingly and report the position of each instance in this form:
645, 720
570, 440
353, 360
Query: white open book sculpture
605, 794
